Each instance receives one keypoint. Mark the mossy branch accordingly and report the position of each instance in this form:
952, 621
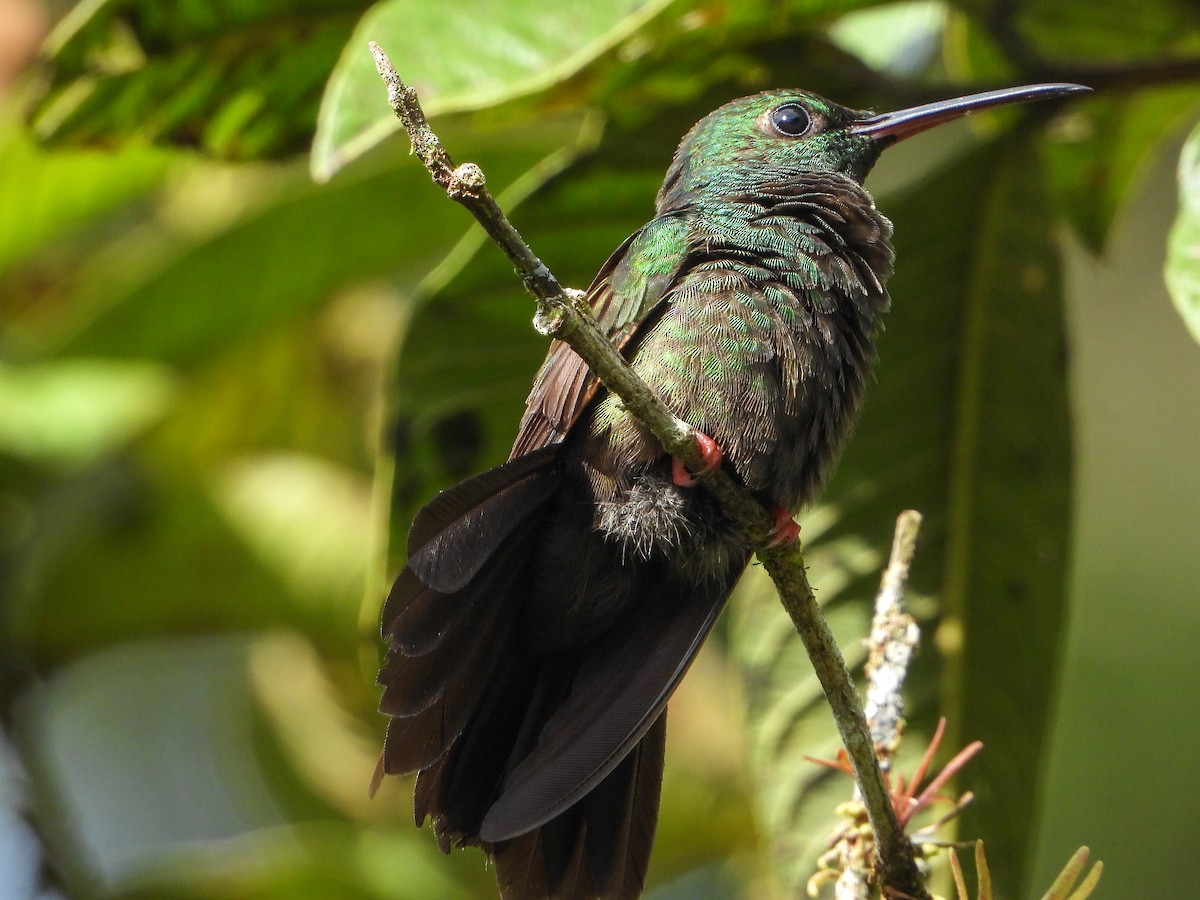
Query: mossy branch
564, 315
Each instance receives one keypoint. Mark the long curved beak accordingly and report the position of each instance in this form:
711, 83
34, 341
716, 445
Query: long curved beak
907, 122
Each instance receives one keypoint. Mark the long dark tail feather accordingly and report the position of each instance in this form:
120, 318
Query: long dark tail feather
598, 848
622, 816
624, 682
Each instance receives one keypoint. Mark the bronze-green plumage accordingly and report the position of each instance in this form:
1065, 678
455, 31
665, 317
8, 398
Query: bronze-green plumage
550, 606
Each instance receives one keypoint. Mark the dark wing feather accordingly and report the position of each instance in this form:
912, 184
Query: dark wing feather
444, 648
630, 284
456, 533
623, 684
414, 681
415, 742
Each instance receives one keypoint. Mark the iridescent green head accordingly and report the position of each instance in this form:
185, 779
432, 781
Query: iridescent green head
775, 136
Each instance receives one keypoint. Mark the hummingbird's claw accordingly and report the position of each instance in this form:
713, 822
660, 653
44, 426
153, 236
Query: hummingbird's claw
786, 531
711, 455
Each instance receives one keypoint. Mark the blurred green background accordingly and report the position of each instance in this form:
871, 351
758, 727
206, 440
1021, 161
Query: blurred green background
242, 338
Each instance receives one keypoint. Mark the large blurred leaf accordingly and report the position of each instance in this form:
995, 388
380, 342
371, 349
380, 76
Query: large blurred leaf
43, 194
317, 861
238, 80
969, 424
283, 260
1115, 29
465, 55
119, 554
72, 411
1183, 254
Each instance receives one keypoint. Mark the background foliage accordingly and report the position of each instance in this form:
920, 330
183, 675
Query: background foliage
244, 338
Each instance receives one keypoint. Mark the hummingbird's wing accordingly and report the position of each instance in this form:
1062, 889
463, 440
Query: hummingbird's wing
623, 296
445, 633
455, 534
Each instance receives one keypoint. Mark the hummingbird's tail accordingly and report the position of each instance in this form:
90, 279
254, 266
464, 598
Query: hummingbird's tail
469, 703
550, 759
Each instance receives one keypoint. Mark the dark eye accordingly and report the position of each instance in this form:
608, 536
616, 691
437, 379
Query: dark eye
791, 120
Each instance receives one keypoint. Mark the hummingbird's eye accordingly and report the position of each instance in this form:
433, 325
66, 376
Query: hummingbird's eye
791, 119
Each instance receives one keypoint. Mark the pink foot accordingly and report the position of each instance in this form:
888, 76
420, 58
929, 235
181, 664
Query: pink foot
709, 451
786, 532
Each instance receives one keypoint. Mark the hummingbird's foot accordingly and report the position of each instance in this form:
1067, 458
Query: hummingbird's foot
709, 452
786, 531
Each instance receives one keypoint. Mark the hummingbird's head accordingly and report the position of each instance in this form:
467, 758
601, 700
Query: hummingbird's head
769, 137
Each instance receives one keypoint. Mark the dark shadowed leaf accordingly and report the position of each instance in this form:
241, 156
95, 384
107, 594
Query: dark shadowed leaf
123, 555
1110, 31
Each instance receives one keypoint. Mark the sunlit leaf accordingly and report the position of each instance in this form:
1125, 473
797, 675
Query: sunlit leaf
466, 55
897, 37
306, 518
1183, 254
72, 411
326, 748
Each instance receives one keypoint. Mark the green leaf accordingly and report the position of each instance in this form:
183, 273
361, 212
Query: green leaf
44, 195
895, 37
1115, 29
287, 258
121, 554
467, 55
305, 518
318, 861
1183, 251
968, 424
238, 80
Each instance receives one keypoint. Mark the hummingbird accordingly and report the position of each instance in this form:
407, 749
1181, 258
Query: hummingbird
550, 606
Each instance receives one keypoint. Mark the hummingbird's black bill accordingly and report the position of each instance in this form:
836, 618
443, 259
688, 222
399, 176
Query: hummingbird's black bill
907, 122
